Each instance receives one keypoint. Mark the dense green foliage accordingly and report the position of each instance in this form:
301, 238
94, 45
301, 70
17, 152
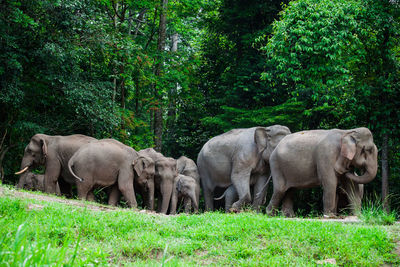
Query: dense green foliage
35, 232
91, 67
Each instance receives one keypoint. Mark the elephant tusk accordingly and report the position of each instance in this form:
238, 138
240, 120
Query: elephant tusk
22, 171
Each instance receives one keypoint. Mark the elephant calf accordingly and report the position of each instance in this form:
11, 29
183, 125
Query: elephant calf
35, 182
184, 188
188, 167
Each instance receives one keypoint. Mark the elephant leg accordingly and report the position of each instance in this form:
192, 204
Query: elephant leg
208, 192
174, 201
259, 192
53, 169
125, 185
83, 190
187, 203
166, 192
114, 195
287, 203
90, 196
159, 203
241, 180
231, 196
279, 189
329, 185
276, 198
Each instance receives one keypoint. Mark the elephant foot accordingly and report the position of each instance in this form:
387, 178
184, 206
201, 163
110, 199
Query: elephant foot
233, 210
288, 213
270, 211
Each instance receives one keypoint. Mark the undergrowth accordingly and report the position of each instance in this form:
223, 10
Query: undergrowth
372, 211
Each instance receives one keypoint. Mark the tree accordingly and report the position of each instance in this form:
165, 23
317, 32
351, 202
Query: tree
341, 64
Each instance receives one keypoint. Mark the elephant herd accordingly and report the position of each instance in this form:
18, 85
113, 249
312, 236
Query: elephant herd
241, 161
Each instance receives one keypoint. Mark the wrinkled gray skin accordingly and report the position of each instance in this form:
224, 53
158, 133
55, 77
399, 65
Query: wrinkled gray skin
146, 168
53, 152
35, 182
184, 188
165, 173
188, 167
324, 158
239, 157
107, 162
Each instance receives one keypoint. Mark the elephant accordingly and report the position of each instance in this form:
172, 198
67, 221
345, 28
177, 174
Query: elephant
146, 166
107, 162
184, 188
165, 173
239, 157
35, 182
324, 158
53, 152
188, 167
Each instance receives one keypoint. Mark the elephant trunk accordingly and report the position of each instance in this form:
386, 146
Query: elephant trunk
150, 197
371, 168
367, 177
21, 182
25, 166
194, 202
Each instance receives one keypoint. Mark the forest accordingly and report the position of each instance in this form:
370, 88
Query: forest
173, 74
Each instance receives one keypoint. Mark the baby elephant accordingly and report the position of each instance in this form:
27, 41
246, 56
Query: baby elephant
35, 182
184, 188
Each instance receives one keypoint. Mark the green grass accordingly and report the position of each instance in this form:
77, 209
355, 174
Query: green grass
373, 212
59, 234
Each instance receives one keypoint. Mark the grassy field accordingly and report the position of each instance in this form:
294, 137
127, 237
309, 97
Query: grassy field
37, 232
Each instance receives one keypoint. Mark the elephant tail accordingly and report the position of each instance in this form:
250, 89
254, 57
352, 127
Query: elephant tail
264, 189
221, 197
70, 163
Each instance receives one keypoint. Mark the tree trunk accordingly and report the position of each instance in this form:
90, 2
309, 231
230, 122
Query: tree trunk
385, 172
115, 69
171, 119
158, 112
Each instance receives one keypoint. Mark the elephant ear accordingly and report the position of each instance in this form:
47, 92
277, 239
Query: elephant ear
179, 185
348, 146
261, 138
139, 165
44, 146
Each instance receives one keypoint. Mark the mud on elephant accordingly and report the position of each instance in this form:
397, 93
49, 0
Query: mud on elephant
53, 152
324, 158
239, 157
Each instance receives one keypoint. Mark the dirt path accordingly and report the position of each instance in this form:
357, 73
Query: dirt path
52, 198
